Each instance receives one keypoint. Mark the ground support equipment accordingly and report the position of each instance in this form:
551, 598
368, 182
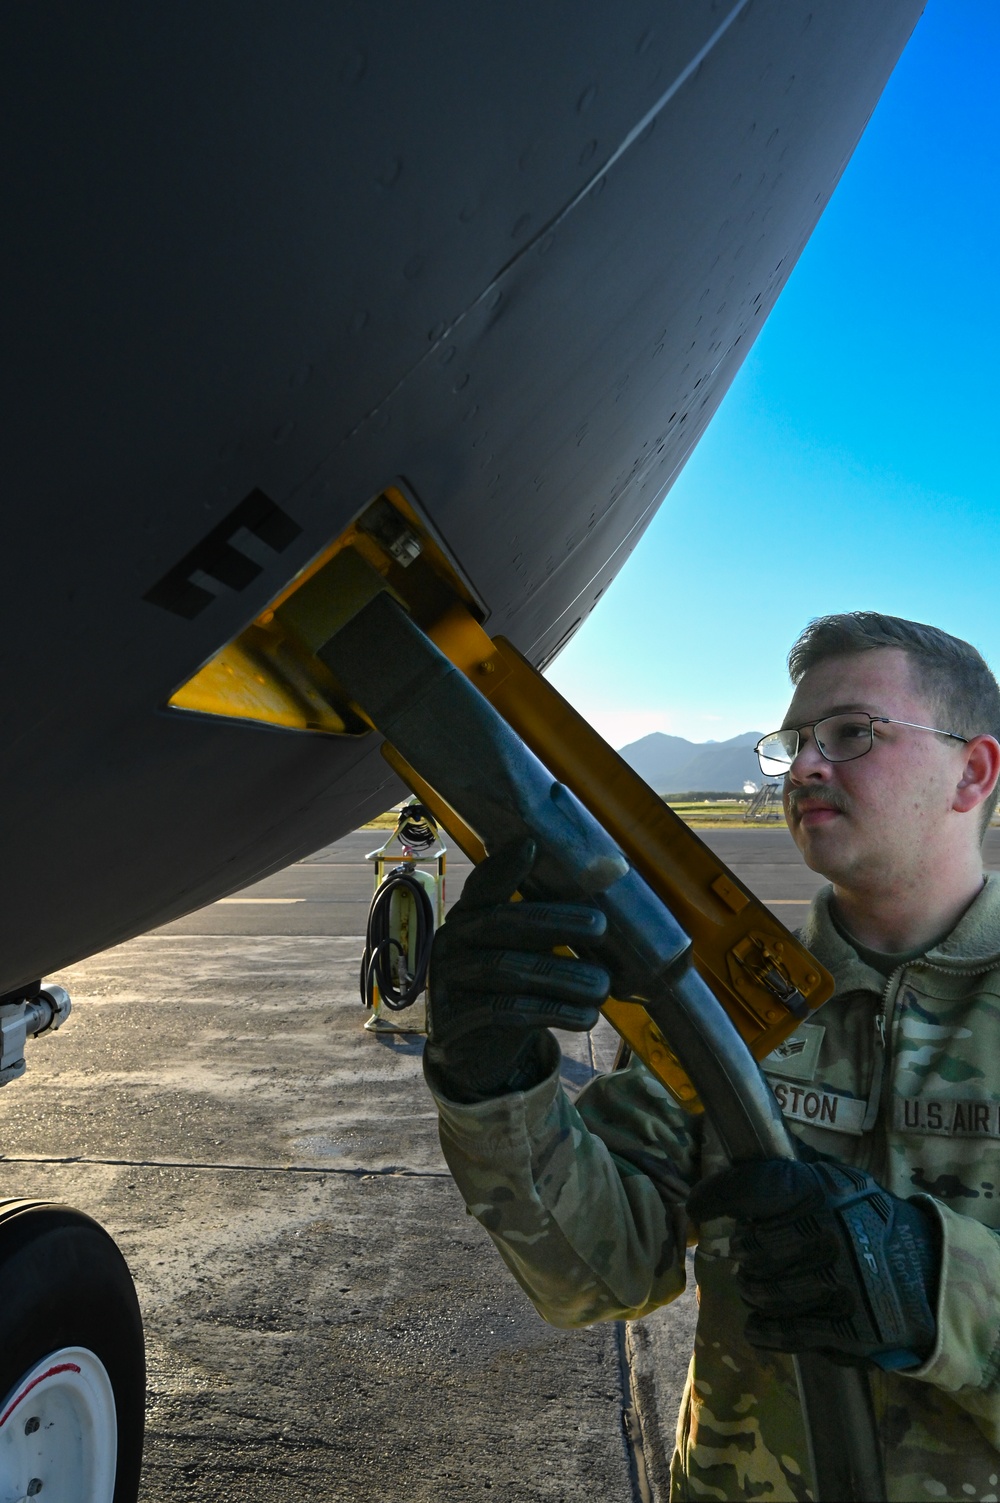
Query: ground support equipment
407, 906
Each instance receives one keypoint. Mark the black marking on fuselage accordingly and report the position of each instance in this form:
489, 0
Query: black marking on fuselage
219, 557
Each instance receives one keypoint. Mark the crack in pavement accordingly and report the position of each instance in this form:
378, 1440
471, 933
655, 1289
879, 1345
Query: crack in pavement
391, 1171
632, 1426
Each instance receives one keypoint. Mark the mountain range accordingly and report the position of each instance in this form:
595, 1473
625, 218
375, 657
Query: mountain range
672, 764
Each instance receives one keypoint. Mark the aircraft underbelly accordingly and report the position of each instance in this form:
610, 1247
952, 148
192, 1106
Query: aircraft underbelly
511, 255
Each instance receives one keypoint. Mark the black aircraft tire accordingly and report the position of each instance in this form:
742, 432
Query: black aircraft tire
66, 1287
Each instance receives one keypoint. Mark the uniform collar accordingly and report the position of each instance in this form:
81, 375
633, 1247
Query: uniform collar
821, 936
975, 940
973, 944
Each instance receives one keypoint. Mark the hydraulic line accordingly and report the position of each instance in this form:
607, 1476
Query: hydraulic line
385, 963
454, 739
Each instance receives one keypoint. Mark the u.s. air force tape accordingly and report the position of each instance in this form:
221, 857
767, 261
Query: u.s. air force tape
951, 1119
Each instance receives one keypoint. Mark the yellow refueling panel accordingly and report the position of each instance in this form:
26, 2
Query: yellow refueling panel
270, 673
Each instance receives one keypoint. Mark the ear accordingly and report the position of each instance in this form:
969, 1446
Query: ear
980, 772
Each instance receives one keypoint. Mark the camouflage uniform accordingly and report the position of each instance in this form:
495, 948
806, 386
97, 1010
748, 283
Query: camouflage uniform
901, 1077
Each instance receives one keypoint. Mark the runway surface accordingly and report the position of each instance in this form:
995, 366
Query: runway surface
329, 892
323, 1319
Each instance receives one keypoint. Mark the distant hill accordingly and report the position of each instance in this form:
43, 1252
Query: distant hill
657, 756
672, 764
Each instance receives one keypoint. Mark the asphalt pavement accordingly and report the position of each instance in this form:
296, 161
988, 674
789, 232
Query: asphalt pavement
323, 1319
329, 892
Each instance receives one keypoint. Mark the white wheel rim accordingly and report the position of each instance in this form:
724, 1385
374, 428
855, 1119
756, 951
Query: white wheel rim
59, 1432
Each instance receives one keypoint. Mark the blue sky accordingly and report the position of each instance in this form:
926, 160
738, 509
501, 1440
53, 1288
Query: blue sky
855, 462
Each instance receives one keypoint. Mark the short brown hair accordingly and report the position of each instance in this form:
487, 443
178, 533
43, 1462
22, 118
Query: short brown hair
954, 676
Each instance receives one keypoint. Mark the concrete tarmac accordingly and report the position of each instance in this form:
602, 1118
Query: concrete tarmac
323, 1319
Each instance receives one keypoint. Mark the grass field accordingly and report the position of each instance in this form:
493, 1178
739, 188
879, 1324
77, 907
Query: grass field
718, 813
385, 821
705, 814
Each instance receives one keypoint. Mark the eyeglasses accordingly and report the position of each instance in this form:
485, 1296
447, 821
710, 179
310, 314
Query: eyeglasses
838, 738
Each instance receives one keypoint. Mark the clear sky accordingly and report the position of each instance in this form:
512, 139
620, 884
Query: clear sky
855, 462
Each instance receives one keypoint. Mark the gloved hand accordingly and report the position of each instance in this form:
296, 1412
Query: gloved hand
828, 1260
495, 985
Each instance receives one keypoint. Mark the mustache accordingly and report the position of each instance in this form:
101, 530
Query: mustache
832, 798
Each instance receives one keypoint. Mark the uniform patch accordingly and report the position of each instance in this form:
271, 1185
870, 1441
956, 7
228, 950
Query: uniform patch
798, 1057
819, 1108
946, 1118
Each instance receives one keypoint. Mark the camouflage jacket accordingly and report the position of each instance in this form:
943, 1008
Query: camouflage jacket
586, 1204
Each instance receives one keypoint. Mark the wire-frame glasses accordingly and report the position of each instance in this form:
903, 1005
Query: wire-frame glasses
839, 738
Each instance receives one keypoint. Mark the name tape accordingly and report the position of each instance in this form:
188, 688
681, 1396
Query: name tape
819, 1108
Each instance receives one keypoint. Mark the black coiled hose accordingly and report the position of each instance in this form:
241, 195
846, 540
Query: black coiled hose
381, 949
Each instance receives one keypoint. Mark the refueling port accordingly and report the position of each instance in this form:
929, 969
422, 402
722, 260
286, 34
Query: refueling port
271, 673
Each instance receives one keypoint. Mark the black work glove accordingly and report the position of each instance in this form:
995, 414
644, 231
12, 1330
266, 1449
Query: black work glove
828, 1260
495, 984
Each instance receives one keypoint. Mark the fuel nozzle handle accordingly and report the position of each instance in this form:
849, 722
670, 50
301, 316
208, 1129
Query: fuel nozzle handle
452, 735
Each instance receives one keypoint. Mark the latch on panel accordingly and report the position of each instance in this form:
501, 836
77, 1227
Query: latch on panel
760, 961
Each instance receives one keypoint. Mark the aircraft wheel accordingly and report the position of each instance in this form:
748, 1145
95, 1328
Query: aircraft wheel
72, 1362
